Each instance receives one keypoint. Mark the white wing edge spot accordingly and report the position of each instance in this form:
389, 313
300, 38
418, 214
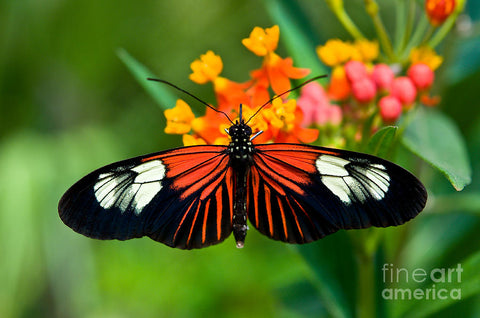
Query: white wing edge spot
346, 187
136, 193
331, 166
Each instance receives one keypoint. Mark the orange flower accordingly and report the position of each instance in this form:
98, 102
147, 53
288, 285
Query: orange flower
439, 10
261, 42
339, 88
258, 92
278, 72
230, 94
275, 70
179, 118
208, 127
430, 101
298, 133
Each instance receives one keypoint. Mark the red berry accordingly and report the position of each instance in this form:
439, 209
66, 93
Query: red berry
383, 76
421, 75
390, 108
364, 90
404, 90
355, 70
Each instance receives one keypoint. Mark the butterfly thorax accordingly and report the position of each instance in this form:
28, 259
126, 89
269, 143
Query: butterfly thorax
240, 148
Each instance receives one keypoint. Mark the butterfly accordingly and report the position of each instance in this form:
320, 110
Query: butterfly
196, 196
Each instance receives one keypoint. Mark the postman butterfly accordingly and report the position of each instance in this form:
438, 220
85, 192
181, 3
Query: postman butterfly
196, 196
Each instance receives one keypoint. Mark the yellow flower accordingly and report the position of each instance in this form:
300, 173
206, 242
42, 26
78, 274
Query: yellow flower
207, 68
281, 115
179, 118
365, 50
335, 52
189, 140
221, 141
262, 41
427, 56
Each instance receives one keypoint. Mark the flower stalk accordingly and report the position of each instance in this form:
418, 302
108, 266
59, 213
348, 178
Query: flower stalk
372, 9
338, 9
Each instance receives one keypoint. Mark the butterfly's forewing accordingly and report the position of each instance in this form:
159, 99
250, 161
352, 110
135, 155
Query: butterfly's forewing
181, 197
300, 193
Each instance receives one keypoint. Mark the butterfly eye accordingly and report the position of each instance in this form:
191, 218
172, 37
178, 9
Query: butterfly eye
232, 130
247, 130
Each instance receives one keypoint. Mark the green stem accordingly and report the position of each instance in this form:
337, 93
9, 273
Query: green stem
366, 284
428, 35
416, 37
366, 277
372, 10
412, 6
400, 23
338, 9
442, 32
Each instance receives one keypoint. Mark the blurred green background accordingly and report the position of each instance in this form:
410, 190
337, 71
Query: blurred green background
69, 105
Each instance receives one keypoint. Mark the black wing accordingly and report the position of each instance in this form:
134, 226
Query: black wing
300, 193
181, 197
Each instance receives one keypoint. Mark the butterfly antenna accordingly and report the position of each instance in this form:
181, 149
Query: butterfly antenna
286, 92
240, 115
191, 95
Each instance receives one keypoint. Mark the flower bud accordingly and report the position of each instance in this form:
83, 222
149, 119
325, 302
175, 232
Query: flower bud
390, 108
355, 70
404, 90
439, 10
316, 106
364, 90
383, 76
421, 75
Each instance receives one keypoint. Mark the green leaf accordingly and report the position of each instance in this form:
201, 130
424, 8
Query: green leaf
381, 141
164, 98
436, 139
297, 34
332, 273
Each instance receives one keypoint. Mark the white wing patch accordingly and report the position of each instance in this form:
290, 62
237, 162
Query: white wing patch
356, 182
133, 188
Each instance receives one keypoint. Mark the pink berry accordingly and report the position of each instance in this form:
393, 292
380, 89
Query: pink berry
404, 90
383, 76
390, 108
364, 90
421, 75
355, 70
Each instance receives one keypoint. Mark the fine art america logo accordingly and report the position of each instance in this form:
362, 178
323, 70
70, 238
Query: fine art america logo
394, 276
